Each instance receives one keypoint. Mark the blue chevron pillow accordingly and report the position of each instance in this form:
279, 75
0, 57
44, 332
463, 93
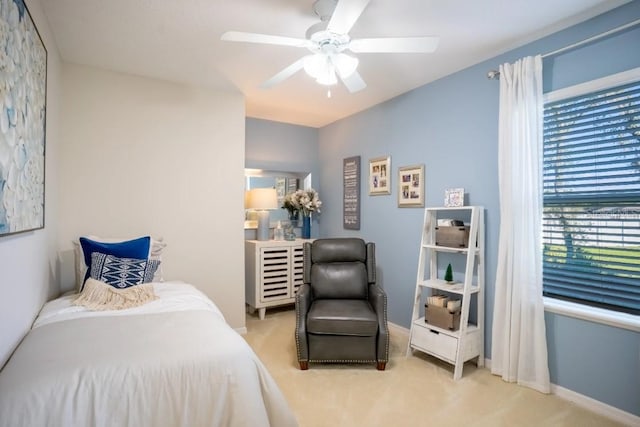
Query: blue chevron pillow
122, 272
136, 248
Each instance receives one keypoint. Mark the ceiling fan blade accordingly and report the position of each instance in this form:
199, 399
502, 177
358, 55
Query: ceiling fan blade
345, 15
238, 36
284, 74
354, 82
395, 45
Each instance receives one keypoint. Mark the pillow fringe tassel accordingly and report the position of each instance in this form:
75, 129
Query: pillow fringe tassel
99, 296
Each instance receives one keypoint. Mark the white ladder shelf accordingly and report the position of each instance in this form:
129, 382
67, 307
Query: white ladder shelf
466, 343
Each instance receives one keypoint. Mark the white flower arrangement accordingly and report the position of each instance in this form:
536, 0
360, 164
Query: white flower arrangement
305, 201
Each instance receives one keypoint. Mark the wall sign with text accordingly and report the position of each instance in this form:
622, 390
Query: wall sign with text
351, 193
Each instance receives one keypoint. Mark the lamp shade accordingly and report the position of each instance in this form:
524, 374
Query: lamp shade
261, 198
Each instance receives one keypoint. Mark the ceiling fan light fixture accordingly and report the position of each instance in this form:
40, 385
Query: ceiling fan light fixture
328, 39
321, 67
327, 77
314, 64
345, 65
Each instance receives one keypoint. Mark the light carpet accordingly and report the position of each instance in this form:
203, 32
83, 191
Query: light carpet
413, 391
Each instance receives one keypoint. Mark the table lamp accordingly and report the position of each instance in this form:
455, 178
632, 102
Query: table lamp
262, 200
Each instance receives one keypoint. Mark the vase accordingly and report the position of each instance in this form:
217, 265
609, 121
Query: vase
306, 227
293, 218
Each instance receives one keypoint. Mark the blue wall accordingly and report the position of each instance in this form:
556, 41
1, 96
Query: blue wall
282, 147
451, 126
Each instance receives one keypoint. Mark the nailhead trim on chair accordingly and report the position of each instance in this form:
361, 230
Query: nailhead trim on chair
386, 356
297, 326
341, 361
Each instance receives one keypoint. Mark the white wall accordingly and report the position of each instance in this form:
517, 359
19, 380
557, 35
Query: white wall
142, 156
28, 267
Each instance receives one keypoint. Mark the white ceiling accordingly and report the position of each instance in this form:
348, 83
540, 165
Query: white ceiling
179, 41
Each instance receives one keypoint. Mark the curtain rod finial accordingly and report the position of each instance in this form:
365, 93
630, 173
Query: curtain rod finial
493, 74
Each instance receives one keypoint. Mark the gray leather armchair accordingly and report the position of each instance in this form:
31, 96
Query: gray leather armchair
341, 313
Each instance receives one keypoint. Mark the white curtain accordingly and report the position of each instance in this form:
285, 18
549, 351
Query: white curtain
519, 347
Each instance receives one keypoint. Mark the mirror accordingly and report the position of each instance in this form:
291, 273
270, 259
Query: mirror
284, 182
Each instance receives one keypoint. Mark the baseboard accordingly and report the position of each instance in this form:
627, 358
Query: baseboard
398, 329
589, 403
596, 406
241, 331
581, 400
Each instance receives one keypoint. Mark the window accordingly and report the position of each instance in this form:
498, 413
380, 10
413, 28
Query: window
591, 193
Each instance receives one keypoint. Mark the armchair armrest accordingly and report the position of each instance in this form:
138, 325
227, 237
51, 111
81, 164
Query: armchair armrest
304, 297
378, 301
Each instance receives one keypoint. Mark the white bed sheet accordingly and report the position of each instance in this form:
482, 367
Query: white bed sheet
172, 362
172, 296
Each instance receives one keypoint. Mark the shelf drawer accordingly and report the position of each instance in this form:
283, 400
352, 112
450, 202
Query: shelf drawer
434, 342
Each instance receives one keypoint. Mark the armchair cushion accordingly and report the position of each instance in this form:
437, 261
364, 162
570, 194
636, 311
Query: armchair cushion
339, 280
339, 250
342, 317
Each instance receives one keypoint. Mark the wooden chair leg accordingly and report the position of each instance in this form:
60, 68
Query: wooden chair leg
304, 365
381, 366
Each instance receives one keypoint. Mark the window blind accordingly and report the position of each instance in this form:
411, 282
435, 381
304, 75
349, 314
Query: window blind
591, 198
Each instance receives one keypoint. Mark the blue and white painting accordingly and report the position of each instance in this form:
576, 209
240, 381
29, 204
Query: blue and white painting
23, 88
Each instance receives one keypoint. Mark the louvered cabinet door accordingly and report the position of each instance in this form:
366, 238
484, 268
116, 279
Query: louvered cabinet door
296, 269
275, 273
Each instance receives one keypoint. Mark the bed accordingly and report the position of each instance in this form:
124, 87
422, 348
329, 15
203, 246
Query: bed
173, 361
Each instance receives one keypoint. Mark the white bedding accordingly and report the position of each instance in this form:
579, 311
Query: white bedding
171, 362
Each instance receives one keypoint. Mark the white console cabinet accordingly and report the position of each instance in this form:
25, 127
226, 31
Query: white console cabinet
273, 272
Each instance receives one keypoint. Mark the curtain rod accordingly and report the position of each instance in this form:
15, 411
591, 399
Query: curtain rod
495, 74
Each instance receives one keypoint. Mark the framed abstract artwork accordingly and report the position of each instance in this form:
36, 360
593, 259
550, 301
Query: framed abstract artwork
380, 176
411, 186
22, 120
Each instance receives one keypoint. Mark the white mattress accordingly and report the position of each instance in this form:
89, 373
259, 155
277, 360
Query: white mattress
171, 362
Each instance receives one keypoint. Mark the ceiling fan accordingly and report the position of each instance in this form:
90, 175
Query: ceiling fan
328, 40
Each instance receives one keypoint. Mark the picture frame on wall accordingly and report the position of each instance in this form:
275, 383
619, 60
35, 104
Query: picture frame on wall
454, 197
380, 176
292, 185
411, 186
351, 193
281, 189
22, 136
